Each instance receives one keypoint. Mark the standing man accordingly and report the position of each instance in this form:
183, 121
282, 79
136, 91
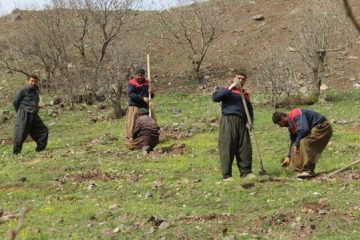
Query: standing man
146, 132
138, 93
26, 104
234, 138
310, 132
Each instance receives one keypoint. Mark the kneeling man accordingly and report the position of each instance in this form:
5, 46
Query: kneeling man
146, 132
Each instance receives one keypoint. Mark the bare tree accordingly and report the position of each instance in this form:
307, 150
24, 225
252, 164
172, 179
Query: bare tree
321, 33
194, 28
77, 43
275, 75
100, 24
123, 61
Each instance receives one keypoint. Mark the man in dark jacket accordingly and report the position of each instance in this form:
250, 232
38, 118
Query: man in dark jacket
234, 138
146, 132
138, 93
310, 132
28, 122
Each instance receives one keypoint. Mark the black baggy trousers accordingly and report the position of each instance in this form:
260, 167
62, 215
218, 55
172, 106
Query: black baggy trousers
28, 123
234, 141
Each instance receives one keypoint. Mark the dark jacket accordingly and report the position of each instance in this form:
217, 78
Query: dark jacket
27, 98
231, 103
145, 126
301, 121
136, 92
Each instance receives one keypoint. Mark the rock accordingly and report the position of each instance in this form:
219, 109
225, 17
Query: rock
207, 77
4, 118
164, 225
16, 17
91, 186
102, 107
353, 57
56, 101
356, 85
148, 195
150, 231
156, 221
23, 179
323, 87
232, 237
291, 49
114, 207
303, 90
53, 113
258, 17
322, 101
176, 112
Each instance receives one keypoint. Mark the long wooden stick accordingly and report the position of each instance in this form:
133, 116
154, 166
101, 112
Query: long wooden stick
343, 168
262, 170
149, 79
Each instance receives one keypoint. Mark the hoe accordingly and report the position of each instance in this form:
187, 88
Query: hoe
262, 171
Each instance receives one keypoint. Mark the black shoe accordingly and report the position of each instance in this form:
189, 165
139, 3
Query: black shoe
39, 149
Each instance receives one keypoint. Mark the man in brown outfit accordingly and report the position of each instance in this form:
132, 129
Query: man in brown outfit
310, 132
145, 133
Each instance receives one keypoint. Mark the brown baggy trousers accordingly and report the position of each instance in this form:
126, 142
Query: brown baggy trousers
130, 118
311, 148
142, 141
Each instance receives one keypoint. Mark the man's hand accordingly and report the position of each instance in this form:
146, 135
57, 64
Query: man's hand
233, 86
147, 100
236, 80
249, 127
296, 149
286, 162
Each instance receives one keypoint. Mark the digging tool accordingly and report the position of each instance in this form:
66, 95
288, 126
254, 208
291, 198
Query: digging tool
262, 171
149, 79
343, 168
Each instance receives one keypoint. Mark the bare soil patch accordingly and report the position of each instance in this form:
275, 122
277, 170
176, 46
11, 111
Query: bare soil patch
203, 219
90, 176
174, 149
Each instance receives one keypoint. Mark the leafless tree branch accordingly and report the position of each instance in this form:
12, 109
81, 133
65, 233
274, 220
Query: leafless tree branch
350, 14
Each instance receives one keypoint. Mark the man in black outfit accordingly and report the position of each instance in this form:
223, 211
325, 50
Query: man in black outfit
26, 104
234, 138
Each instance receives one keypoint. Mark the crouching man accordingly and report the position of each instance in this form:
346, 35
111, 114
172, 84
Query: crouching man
146, 132
310, 132
28, 122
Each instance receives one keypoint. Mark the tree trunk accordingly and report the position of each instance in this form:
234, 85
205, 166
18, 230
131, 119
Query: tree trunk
118, 111
196, 72
318, 74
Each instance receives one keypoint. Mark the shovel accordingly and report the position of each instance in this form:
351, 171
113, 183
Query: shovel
262, 171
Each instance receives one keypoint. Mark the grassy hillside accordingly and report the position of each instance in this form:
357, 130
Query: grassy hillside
244, 45
87, 185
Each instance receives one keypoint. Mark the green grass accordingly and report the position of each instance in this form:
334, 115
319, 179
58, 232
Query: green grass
87, 168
